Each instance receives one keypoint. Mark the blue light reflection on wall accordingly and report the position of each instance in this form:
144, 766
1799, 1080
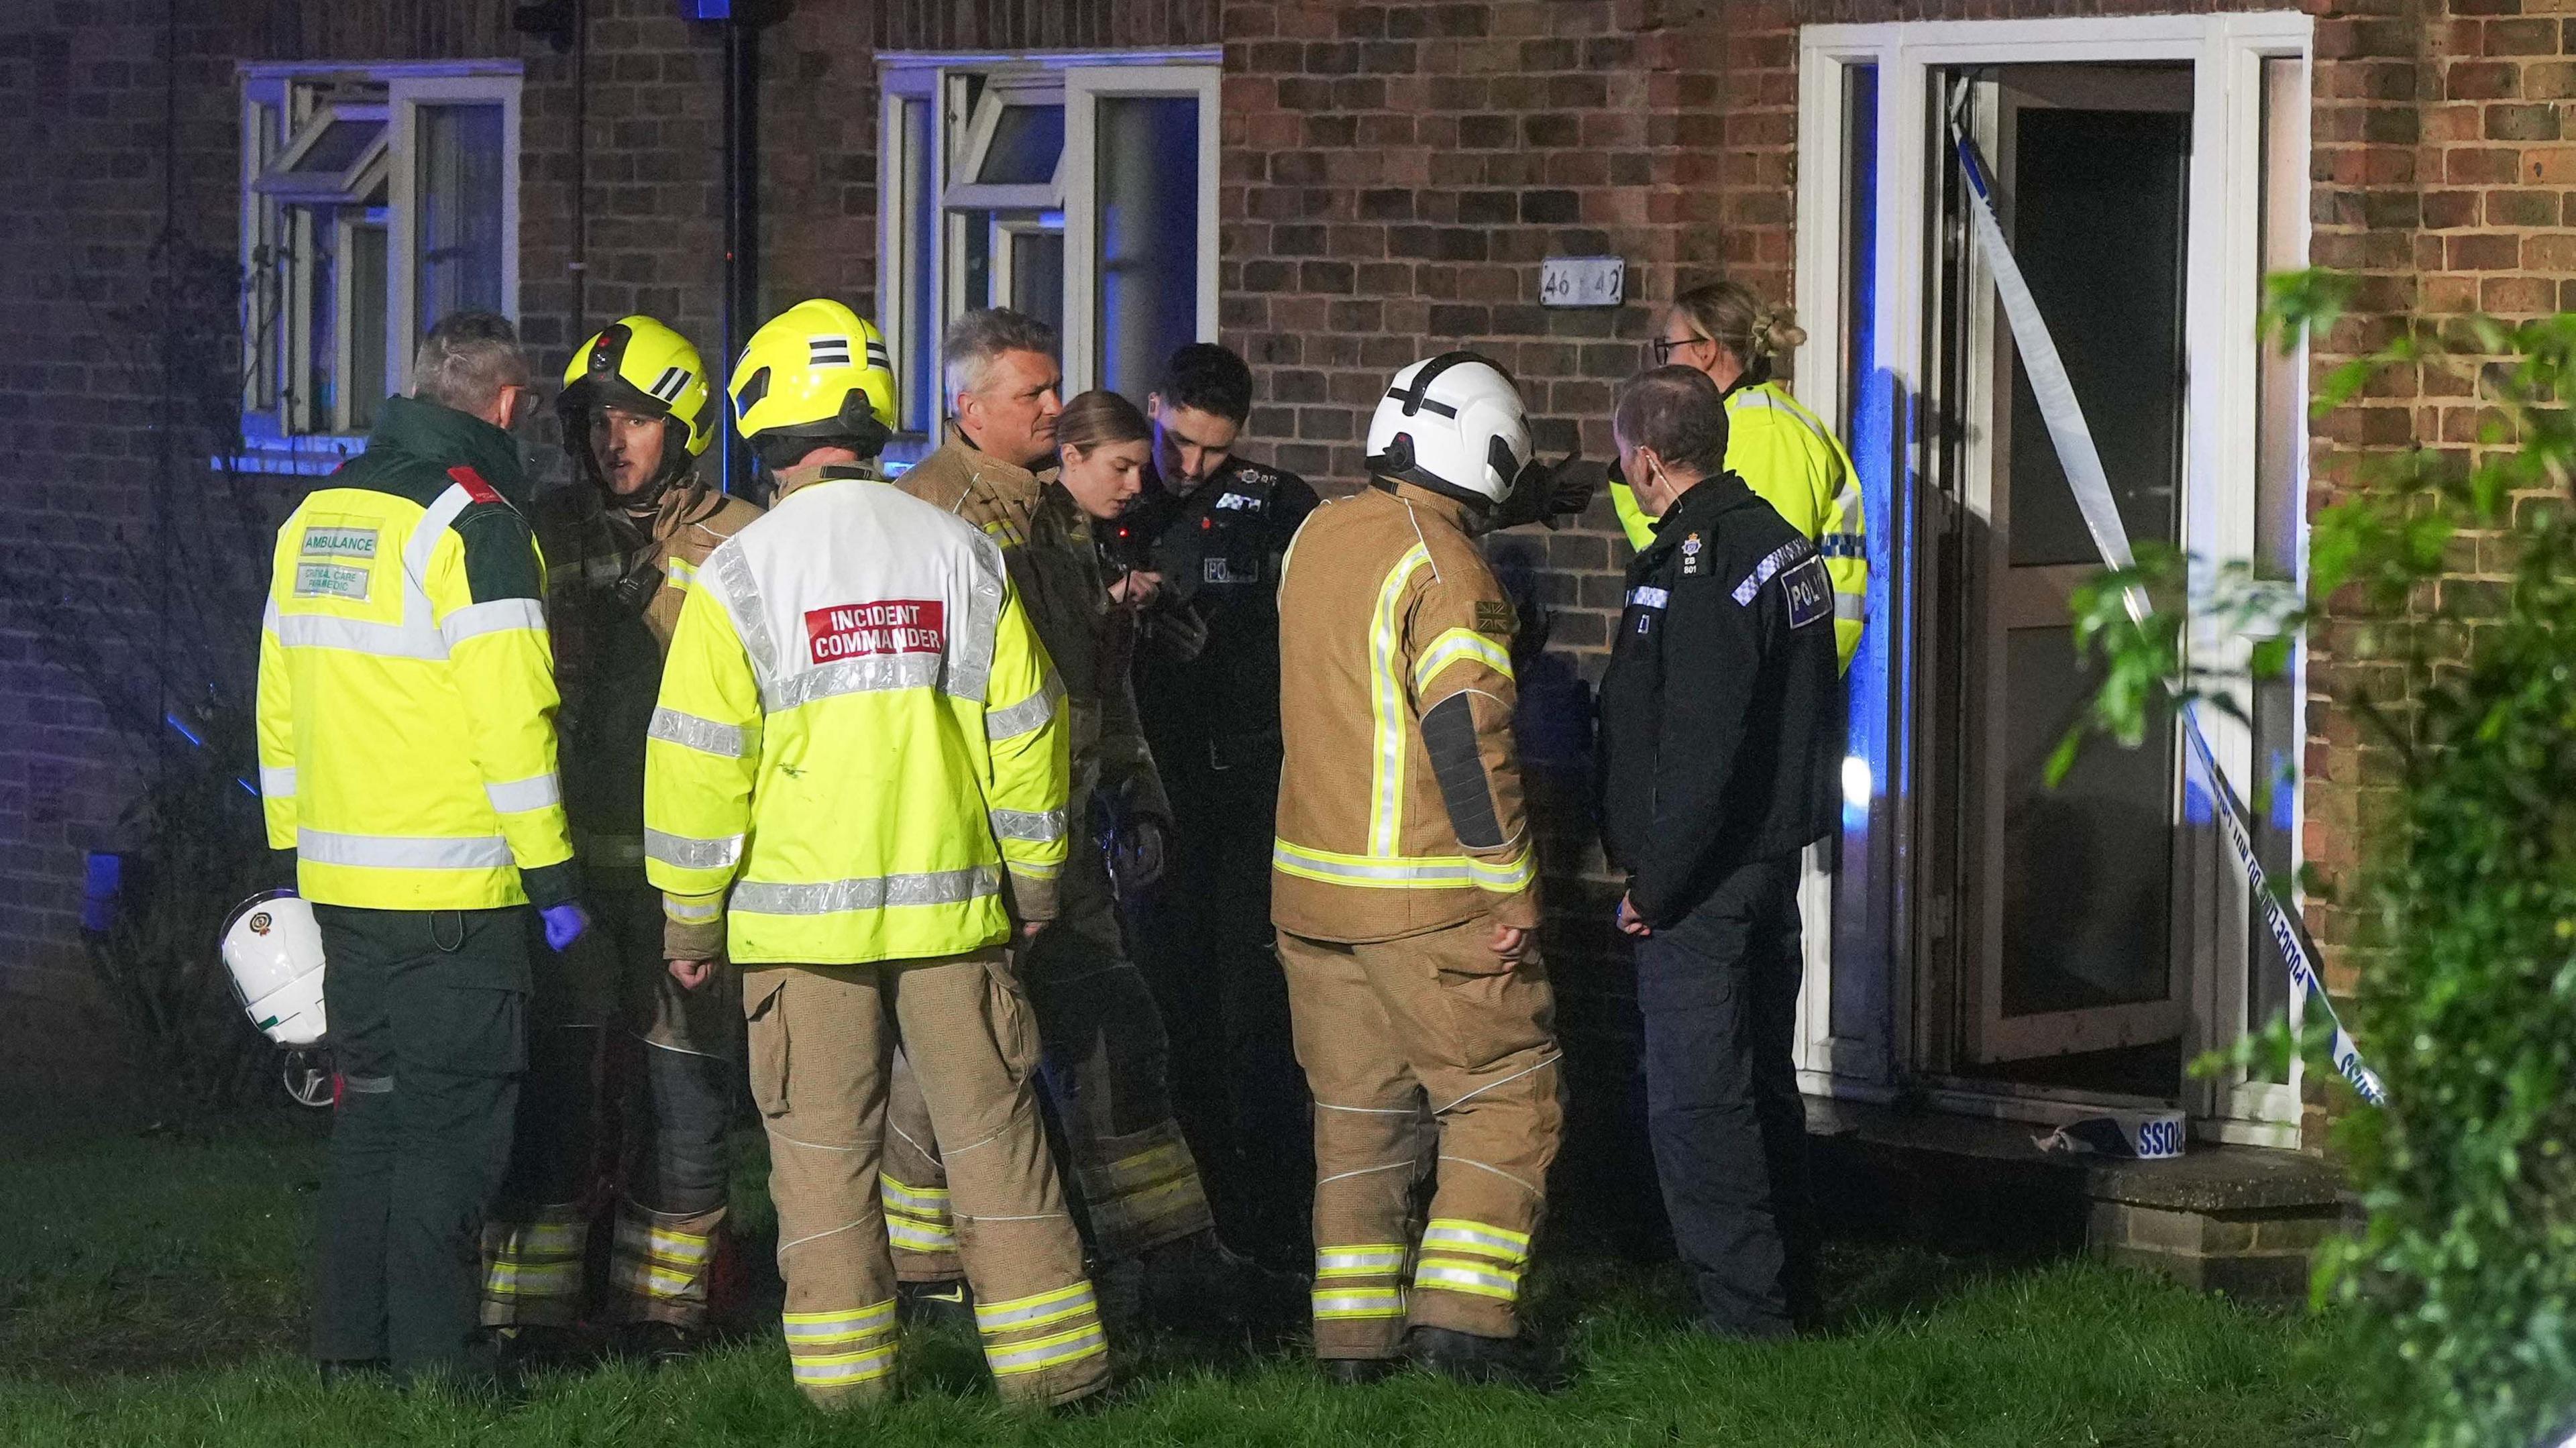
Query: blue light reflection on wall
1872, 443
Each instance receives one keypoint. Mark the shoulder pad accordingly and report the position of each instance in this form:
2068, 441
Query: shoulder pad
473, 484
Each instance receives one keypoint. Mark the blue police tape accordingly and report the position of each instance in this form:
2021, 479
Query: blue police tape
2082, 464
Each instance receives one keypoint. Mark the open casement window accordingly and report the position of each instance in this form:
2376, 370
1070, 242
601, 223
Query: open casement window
1083, 194
375, 200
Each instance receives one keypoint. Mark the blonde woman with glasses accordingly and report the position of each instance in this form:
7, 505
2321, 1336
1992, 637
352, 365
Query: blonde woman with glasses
1785, 453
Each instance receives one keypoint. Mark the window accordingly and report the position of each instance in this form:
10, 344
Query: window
375, 201
1079, 190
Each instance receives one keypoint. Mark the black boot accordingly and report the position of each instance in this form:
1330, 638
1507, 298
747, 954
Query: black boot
535, 1348
1356, 1372
660, 1345
948, 1305
1514, 1362
1198, 1284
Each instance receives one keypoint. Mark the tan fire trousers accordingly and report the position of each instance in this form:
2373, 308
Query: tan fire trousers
822, 1047
1428, 1056
1109, 1063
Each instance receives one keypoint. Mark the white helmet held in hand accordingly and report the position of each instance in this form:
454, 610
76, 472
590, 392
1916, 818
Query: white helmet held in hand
1453, 424
273, 947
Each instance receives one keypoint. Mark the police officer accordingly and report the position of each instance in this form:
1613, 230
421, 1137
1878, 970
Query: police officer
858, 737
1405, 889
1782, 451
407, 755
1207, 534
1104, 1035
624, 543
1718, 729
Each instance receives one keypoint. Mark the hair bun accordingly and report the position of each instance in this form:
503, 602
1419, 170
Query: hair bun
1777, 331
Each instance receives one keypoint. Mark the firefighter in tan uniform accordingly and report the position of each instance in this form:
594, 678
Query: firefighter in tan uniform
624, 543
1104, 1035
1405, 891
858, 738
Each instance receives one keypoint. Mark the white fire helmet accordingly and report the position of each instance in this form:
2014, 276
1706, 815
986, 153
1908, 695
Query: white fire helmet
274, 950
1454, 424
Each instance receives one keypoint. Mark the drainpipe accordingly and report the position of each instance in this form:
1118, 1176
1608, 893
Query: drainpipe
742, 218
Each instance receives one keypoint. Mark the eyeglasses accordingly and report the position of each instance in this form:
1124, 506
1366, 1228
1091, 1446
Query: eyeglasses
1662, 348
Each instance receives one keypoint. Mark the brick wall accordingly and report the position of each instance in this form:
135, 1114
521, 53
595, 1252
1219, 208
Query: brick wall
1391, 175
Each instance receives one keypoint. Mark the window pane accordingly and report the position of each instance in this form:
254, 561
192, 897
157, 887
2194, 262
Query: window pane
1037, 275
321, 324
340, 145
2279, 511
1026, 143
265, 292
460, 211
366, 262
1148, 265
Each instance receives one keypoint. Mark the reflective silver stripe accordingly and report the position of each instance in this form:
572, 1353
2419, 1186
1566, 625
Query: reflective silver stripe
1460, 1278
1047, 1352
1030, 713
1386, 1302
434, 519
878, 892
1851, 606
1039, 826
728, 741
277, 782
927, 1201
1045, 1307
732, 576
385, 640
684, 853
1649, 597
912, 1238
853, 676
1398, 870
970, 651
846, 1367
402, 852
688, 914
498, 616
1358, 1261
1464, 1237
620, 850
518, 796
534, 1279
811, 1328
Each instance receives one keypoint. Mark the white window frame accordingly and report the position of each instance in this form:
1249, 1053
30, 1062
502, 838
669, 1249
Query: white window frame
283, 436
1082, 77
2221, 307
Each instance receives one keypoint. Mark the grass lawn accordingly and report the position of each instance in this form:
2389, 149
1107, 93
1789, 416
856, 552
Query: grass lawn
151, 1292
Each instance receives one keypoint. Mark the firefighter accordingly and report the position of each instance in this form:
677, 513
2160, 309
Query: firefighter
857, 738
625, 542
1405, 891
1107, 1054
1207, 534
1785, 453
1718, 737
407, 756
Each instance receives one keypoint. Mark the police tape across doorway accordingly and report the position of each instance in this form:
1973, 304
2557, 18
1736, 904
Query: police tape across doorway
2082, 464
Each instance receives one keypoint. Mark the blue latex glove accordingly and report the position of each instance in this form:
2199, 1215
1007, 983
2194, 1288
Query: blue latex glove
564, 924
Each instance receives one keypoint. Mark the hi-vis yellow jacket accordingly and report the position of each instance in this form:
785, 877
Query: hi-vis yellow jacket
1794, 462
406, 689
858, 733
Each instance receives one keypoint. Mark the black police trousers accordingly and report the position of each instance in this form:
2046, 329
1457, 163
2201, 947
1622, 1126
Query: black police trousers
1719, 992
428, 1013
1206, 945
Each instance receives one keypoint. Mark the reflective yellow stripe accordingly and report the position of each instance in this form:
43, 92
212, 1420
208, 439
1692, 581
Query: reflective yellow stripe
810, 1329
1037, 1311
1458, 1234
912, 1236
1505, 877
533, 1279
1372, 1259
1379, 872
1459, 1274
1387, 708
1047, 1352
690, 912
841, 1369
915, 1201
1456, 644
645, 1280
1342, 1304
679, 572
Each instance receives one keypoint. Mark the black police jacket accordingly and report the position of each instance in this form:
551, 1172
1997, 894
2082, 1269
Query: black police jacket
1720, 713
1218, 550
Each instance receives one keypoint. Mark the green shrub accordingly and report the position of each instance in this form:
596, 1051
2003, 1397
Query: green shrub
2464, 1282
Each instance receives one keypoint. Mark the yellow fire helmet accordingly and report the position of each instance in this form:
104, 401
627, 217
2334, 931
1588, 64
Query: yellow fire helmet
816, 375
639, 365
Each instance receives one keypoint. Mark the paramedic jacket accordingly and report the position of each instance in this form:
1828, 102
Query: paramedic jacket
1720, 713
